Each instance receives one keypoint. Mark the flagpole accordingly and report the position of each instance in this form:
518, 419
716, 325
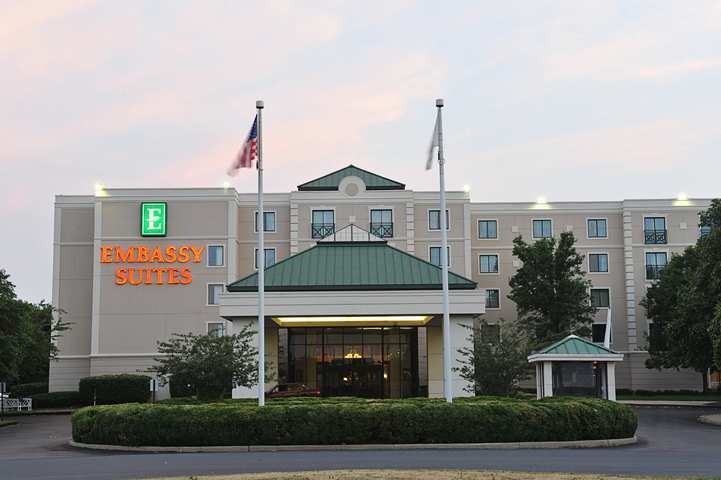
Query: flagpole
260, 259
447, 386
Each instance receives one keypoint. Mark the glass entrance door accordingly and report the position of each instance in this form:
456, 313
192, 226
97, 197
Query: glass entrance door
376, 362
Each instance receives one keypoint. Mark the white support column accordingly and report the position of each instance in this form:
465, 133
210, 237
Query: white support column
611, 380
547, 379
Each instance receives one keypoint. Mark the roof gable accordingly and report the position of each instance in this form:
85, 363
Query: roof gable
574, 345
351, 266
333, 179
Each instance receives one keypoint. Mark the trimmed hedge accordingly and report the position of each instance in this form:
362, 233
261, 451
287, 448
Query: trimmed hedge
354, 422
22, 390
57, 400
112, 389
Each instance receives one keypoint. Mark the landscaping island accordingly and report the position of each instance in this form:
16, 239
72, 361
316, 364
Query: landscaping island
353, 421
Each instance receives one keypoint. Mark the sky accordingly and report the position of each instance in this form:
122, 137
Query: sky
567, 99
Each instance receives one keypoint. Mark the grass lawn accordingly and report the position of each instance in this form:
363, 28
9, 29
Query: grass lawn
416, 475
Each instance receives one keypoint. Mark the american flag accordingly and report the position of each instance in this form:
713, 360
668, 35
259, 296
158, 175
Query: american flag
248, 152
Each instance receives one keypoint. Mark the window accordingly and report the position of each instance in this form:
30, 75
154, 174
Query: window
214, 289
598, 332
597, 228
216, 329
434, 255
269, 257
488, 263
381, 224
600, 298
654, 230
704, 230
487, 229
216, 255
322, 223
434, 220
598, 262
268, 221
655, 262
493, 298
542, 229
491, 333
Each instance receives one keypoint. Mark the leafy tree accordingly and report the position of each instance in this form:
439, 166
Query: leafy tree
27, 335
550, 290
211, 365
495, 366
714, 331
682, 304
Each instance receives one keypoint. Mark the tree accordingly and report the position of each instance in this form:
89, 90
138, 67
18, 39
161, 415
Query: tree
682, 304
714, 331
211, 365
27, 335
495, 366
550, 290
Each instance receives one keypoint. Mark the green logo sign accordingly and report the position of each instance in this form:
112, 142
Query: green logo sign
153, 219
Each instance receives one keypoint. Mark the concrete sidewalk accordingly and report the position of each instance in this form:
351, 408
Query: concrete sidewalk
711, 419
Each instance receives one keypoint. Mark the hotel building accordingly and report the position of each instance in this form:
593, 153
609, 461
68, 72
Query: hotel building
353, 290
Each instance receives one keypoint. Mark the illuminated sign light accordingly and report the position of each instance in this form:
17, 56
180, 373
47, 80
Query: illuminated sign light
152, 275
354, 321
153, 219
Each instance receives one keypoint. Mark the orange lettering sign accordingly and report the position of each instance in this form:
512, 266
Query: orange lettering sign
165, 275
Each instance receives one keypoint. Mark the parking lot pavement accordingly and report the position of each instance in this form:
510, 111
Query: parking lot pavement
671, 442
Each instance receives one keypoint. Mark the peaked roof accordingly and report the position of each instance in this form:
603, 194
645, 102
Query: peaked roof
574, 345
333, 179
351, 266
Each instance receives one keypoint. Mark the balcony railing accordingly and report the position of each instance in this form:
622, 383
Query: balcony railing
321, 230
382, 230
654, 237
653, 272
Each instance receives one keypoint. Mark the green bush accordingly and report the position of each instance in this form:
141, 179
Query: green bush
358, 421
111, 389
22, 390
57, 400
180, 387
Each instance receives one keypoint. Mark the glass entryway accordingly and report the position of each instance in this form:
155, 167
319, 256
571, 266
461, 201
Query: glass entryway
377, 362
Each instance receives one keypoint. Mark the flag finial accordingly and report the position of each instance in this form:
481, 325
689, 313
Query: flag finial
439, 102
259, 104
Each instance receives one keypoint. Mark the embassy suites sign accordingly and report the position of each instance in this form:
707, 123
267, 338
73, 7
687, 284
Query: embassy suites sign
153, 223
155, 275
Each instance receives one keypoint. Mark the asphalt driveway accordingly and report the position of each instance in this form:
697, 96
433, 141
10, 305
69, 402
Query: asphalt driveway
671, 443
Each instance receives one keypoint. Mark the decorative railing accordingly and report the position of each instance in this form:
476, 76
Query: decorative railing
653, 272
321, 230
654, 237
382, 230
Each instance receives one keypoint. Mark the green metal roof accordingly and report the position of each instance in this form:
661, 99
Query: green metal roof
573, 345
332, 180
351, 266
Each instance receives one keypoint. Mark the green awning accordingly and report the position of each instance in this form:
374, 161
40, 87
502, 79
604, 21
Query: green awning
333, 179
351, 266
574, 345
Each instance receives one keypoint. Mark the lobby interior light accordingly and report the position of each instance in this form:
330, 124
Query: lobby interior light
354, 321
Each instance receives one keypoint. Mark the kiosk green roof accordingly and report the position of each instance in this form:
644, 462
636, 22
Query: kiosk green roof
574, 345
333, 179
351, 266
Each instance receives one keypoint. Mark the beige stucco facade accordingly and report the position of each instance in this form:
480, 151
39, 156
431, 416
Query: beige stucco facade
116, 327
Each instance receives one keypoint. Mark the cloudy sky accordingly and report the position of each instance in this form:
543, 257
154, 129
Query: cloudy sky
574, 100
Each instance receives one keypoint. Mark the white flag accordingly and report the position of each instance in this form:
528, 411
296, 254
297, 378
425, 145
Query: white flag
434, 144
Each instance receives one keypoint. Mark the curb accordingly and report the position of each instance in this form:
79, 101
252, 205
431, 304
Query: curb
7, 423
41, 412
615, 442
671, 403
710, 420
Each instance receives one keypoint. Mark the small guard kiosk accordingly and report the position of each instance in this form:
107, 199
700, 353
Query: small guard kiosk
576, 367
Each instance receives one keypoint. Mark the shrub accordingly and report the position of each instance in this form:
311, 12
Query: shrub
180, 387
110, 389
324, 422
22, 390
57, 400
